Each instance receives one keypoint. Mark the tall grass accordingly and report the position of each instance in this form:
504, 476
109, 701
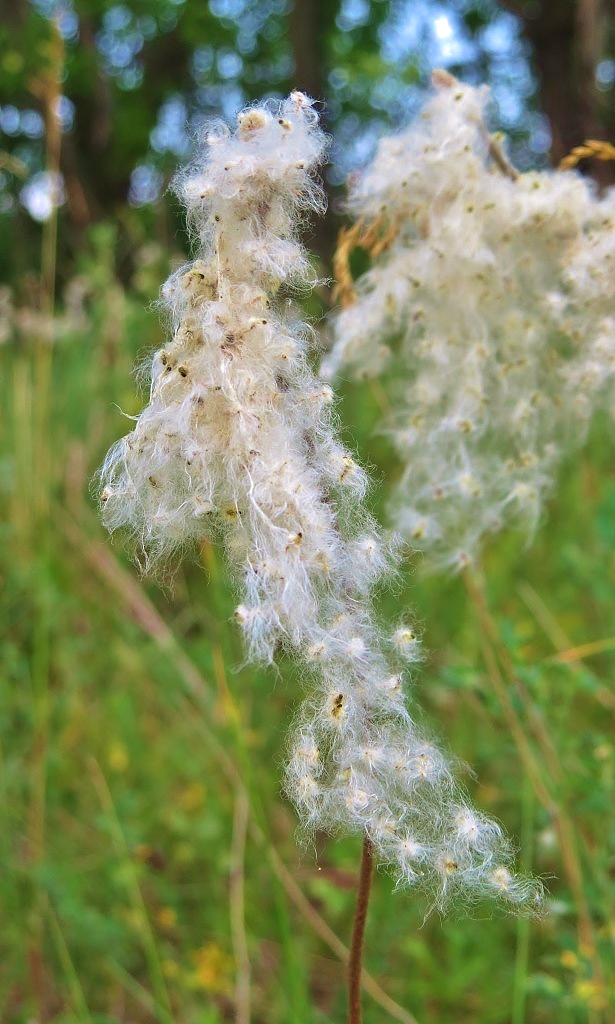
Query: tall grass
149, 866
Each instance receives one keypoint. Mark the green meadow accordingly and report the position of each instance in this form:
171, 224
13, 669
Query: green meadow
150, 867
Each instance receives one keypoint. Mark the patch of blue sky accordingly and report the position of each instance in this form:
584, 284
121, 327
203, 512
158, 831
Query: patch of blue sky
229, 64
116, 18
352, 14
500, 38
10, 119
428, 35
202, 62
21, 122
146, 183
259, 12
170, 134
605, 74
353, 145
32, 124
231, 9
121, 39
42, 194
223, 99
63, 12
65, 111
433, 29
539, 141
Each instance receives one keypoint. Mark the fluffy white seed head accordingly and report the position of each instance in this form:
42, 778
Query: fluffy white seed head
491, 310
238, 444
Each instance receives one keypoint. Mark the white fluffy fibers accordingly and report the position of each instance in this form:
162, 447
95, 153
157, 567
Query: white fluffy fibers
238, 442
490, 317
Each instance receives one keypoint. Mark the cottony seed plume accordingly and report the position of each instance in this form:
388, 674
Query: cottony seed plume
489, 315
238, 444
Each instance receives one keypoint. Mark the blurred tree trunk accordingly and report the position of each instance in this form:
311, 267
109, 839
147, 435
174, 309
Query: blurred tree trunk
307, 24
310, 22
568, 39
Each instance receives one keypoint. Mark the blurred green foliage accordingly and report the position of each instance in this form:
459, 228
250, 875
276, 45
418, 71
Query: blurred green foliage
129, 726
122, 706
132, 82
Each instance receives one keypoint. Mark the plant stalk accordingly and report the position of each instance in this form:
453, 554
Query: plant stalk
358, 932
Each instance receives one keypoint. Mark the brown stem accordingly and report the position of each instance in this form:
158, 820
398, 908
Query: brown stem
498, 156
358, 932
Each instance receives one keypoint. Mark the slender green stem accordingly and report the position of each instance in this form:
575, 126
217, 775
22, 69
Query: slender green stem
237, 908
80, 1006
161, 995
355, 962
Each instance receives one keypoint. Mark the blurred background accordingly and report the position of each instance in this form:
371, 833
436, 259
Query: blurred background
115, 94
148, 865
